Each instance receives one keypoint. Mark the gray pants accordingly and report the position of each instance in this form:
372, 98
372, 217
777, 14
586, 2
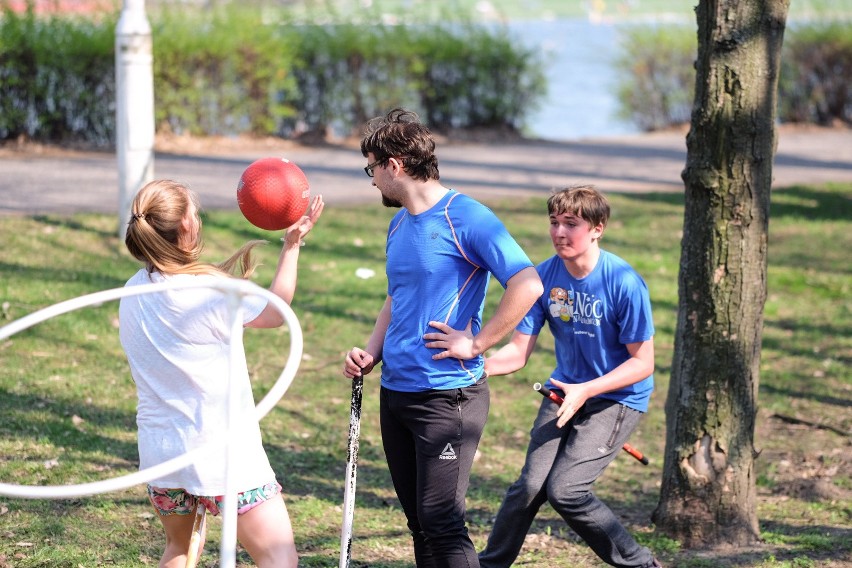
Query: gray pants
561, 466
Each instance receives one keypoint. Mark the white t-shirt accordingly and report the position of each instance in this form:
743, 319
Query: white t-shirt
177, 344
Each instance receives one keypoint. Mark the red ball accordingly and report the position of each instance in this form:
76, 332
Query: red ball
273, 193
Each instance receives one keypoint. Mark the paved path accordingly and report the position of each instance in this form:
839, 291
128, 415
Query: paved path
66, 182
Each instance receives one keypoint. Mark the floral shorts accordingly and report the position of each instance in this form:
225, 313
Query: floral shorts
179, 502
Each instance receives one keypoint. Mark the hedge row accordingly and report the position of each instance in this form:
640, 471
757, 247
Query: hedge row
54, 79
238, 70
242, 71
657, 73
815, 84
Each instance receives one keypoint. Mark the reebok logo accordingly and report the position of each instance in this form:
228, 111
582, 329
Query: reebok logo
448, 453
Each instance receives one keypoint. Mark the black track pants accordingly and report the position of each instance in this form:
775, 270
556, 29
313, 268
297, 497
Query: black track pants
430, 439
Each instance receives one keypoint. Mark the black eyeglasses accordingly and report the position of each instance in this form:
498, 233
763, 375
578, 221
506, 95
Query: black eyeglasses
370, 167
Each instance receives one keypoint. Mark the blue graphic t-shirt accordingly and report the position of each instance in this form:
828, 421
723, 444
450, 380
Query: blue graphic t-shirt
438, 266
592, 319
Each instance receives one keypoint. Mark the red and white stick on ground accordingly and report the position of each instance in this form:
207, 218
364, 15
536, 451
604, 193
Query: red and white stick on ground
351, 473
547, 393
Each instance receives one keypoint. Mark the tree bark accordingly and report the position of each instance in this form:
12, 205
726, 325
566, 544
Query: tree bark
708, 493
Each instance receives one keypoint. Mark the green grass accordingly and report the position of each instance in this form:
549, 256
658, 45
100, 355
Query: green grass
67, 404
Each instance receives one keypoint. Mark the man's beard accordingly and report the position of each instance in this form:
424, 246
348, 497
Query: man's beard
388, 202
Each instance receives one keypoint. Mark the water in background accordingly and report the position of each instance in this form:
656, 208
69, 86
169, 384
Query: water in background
578, 57
581, 98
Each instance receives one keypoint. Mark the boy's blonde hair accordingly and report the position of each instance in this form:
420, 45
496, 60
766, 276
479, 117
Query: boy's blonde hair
584, 201
154, 229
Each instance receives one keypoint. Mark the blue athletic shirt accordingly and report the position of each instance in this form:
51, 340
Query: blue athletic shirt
591, 319
438, 267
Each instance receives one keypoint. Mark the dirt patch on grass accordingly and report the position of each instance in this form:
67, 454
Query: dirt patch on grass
803, 499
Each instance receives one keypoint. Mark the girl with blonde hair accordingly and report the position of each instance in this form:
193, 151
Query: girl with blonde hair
177, 343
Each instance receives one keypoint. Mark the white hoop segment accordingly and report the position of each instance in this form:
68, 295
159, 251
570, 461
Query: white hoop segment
236, 288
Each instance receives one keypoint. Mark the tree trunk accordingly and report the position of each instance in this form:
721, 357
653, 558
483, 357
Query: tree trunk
708, 494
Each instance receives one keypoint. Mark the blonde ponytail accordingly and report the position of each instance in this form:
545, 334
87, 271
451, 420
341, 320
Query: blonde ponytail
155, 231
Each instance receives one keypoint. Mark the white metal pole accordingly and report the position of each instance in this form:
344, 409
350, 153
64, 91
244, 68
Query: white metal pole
228, 544
134, 114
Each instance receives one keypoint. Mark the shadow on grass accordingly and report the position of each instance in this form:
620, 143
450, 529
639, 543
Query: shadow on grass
51, 421
812, 204
72, 224
322, 475
795, 202
788, 393
801, 546
97, 280
799, 327
310, 561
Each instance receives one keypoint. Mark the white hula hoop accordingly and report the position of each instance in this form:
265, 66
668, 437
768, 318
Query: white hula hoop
235, 288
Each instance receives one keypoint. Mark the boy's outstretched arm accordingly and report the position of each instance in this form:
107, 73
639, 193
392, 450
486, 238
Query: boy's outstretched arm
512, 356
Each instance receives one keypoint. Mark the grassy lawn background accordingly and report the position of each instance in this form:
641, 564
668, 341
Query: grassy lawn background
67, 403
